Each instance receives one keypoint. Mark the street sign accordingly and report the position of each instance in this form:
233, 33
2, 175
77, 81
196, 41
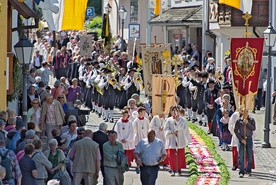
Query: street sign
90, 12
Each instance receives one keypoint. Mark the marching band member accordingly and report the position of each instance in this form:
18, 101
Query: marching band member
210, 95
131, 85
176, 141
186, 84
140, 126
108, 95
94, 92
201, 86
99, 96
193, 91
125, 133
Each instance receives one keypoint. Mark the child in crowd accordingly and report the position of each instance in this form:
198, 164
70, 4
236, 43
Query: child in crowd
225, 135
57, 136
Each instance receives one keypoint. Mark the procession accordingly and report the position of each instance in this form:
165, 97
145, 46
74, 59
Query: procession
98, 108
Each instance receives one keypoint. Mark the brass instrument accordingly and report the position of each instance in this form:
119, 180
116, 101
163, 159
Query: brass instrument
112, 81
138, 78
219, 76
99, 90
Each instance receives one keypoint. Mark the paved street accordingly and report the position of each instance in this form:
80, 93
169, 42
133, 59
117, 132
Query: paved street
265, 159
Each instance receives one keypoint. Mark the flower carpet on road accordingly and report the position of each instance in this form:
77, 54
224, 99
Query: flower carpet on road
209, 172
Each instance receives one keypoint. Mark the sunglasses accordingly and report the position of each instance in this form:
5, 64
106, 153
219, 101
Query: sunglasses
60, 97
36, 103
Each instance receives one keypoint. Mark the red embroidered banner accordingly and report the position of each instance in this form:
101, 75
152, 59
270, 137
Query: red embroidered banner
246, 55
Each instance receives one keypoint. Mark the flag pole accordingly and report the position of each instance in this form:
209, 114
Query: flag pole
247, 16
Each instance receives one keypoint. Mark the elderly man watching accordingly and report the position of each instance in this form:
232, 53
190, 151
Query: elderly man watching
86, 158
111, 148
101, 137
51, 114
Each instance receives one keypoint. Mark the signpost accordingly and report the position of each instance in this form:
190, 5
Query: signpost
90, 12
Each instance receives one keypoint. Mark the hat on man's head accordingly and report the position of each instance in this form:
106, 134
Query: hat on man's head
211, 80
227, 86
204, 75
105, 70
30, 134
132, 69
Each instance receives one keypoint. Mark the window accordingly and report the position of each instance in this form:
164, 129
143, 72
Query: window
134, 11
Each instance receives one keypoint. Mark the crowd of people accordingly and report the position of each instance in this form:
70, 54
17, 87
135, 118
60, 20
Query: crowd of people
101, 83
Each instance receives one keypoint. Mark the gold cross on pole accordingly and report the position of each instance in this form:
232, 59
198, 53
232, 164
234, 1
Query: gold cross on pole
174, 61
247, 16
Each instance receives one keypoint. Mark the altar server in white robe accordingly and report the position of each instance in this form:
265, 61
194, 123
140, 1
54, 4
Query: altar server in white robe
140, 126
157, 124
125, 135
176, 141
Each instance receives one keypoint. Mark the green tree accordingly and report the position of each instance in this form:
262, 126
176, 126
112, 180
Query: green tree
97, 4
96, 25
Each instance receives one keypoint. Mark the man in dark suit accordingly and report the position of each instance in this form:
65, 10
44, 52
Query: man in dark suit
101, 137
210, 95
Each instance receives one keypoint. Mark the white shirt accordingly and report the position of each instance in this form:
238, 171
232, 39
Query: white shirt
69, 137
150, 153
125, 131
141, 128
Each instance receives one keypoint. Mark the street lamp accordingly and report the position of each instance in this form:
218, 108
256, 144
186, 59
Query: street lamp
24, 50
123, 14
270, 36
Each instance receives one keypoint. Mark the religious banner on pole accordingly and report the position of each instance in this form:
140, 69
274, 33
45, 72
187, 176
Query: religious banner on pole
85, 45
246, 55
163, 94
153, 58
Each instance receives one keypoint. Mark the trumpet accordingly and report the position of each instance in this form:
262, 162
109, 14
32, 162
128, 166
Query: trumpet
138, 80
112, 81
220, 78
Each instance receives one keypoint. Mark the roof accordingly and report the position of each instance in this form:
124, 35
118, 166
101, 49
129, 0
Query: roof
179, 16
23, 9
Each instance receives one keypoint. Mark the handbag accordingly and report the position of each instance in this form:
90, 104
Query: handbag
63, 177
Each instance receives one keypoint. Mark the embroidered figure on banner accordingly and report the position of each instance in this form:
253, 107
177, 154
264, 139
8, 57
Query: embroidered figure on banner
246, 60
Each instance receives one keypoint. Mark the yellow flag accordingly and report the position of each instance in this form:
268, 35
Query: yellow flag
157, 7
73, 14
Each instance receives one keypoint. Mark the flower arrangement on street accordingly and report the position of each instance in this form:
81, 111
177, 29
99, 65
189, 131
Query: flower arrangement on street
202, 156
